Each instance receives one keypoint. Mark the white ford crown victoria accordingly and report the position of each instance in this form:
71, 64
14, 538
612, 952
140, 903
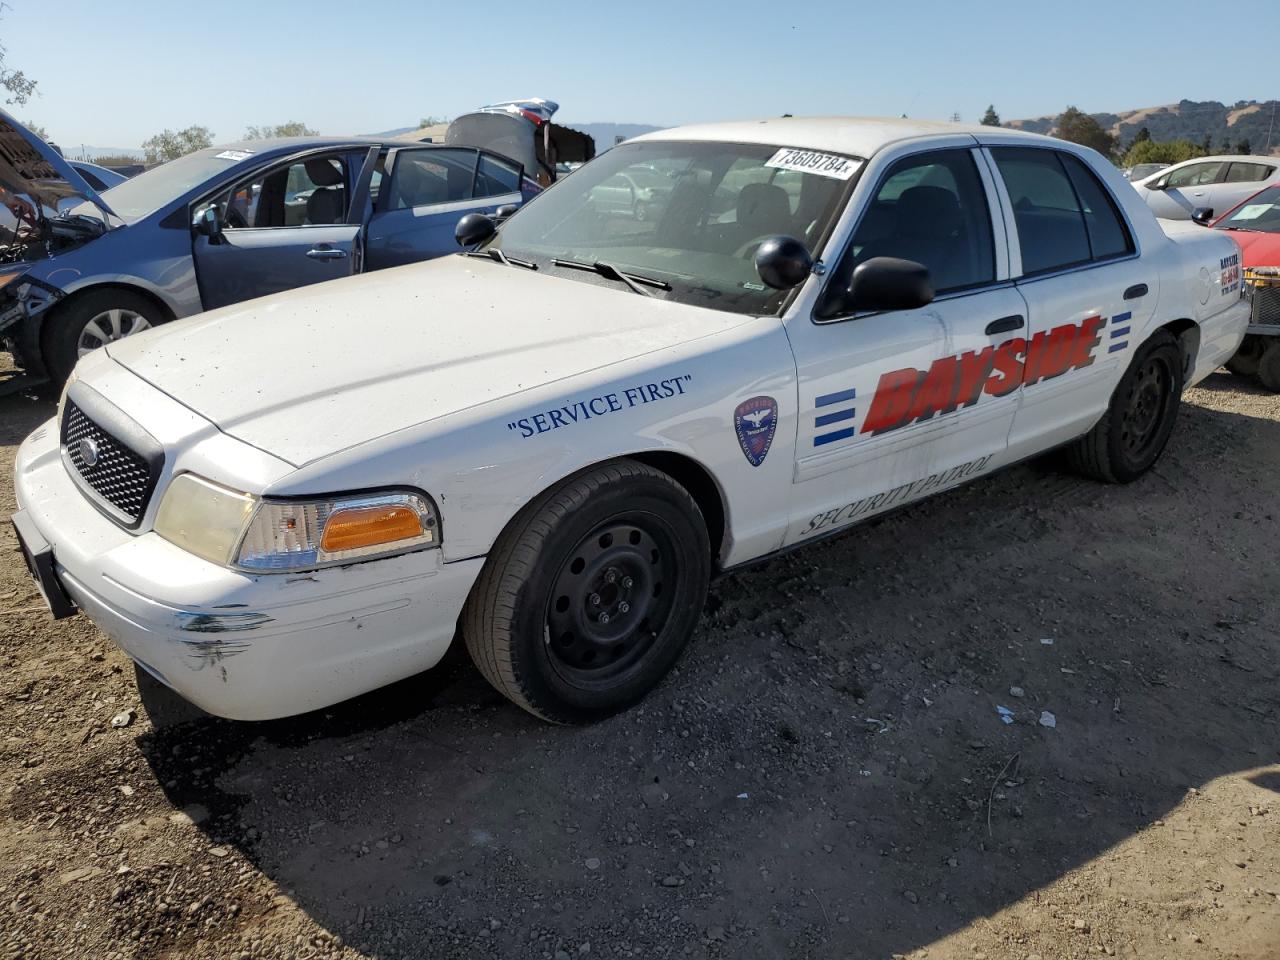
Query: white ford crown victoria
549, 444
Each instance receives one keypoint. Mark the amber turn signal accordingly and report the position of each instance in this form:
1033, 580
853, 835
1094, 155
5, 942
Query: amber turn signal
355, 527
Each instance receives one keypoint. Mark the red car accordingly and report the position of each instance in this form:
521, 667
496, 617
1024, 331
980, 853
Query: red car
1255, 223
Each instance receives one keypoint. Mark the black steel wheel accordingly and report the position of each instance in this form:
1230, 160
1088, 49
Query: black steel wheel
1133, 432
591, 593
1244, 362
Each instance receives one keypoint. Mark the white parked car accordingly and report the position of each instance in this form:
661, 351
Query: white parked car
549, 444
1214, 184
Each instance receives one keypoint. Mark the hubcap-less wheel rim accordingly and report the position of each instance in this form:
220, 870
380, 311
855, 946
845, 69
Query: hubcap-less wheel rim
610, 600
1148, 397
108, 327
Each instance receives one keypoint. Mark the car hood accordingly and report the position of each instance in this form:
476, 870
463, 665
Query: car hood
1260, 249
313, 371
30, 167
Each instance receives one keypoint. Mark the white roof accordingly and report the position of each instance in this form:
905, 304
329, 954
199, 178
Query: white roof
856, 136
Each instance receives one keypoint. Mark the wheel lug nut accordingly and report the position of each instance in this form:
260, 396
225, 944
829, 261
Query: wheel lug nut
610, 576
623, 607
594, 599
627, 583
604, 618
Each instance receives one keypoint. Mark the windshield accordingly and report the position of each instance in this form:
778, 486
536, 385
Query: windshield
152, 189
688, 214
1260, 212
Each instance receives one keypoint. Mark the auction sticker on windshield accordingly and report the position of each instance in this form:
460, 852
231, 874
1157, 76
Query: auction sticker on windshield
234, 155
807, 161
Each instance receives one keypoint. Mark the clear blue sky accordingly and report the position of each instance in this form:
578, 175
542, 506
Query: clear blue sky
112, 74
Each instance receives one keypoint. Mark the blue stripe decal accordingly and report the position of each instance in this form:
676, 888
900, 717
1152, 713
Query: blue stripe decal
1121, 317
1117, 346
824, 438
836, 417
840, 397
1119, 332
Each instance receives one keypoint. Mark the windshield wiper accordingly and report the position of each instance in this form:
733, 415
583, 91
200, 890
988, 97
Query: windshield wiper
610, 272
498, 256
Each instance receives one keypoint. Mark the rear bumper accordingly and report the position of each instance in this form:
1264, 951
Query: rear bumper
240, 646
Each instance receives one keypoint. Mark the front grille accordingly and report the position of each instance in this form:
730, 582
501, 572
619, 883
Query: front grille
122, 477
1262, 287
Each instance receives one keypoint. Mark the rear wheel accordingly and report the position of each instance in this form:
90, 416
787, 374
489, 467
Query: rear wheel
93, 320
1244, 362
1269, 365
1135, 429
591, 593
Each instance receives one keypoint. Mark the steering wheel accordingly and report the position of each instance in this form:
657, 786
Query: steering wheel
745, 250
235, 219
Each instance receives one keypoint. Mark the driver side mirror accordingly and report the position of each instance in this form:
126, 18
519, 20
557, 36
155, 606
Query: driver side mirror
1202, 215
888, 283
207, 224
474, 228
505, 211
1161, 183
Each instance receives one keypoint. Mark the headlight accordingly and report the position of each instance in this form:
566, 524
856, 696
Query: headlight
305, 534
278, 536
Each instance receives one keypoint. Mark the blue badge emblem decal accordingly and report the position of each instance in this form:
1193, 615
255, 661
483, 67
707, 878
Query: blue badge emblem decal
755, 421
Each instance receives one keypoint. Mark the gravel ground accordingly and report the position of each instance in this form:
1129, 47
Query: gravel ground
826, 774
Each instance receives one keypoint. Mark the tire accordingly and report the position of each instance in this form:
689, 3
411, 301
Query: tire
91, 320
1244, 362
591, 593
1135, 428
1269, 366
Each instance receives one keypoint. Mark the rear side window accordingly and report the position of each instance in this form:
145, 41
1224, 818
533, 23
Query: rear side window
496, 177
1247, 172
1108, 236
424, 177
1064, 215
1197, 174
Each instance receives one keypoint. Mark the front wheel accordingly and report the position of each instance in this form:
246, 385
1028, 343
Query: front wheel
92, 320
1133, 432
1269, 365
591, 593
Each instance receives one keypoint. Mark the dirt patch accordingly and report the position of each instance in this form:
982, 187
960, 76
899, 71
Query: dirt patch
826, 774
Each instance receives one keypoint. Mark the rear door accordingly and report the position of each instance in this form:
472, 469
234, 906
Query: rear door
1076, 264
287, 225
426, 192
1241, 180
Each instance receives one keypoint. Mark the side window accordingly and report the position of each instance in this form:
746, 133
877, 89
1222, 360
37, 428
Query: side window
1051, 227
930, 208
1197, 174
496, 177
1247, 172
304, 193
423, 177
1108, 235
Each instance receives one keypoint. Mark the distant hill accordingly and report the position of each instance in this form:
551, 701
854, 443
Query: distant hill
1252, 120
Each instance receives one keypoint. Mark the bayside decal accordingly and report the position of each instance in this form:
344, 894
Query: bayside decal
755, 421
600, 406
900, 494
1229, 281
909, 396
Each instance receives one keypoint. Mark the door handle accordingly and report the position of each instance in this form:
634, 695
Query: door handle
1136, 291
326, 253
1005, 324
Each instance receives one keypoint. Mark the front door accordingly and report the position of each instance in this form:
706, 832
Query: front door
1185, 189
428, 190
900, 404
285, 227
1087, 292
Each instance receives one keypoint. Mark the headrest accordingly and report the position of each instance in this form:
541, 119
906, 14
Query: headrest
928, 210
323, 172
764, 203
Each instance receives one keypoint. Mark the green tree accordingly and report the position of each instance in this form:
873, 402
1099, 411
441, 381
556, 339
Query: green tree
991, 118
1083, 129
38, 130
429, 122
1166, 151
1206, 144
1242, 146
170, 145
16, 84
294, 128
115, 160
1142, 135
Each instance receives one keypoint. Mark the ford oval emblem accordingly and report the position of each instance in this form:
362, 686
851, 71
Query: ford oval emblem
88, 448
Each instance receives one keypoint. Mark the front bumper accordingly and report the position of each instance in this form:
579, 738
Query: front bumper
241, 646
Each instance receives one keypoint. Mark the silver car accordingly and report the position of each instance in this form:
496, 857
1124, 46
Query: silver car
1206, 183
80, 268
